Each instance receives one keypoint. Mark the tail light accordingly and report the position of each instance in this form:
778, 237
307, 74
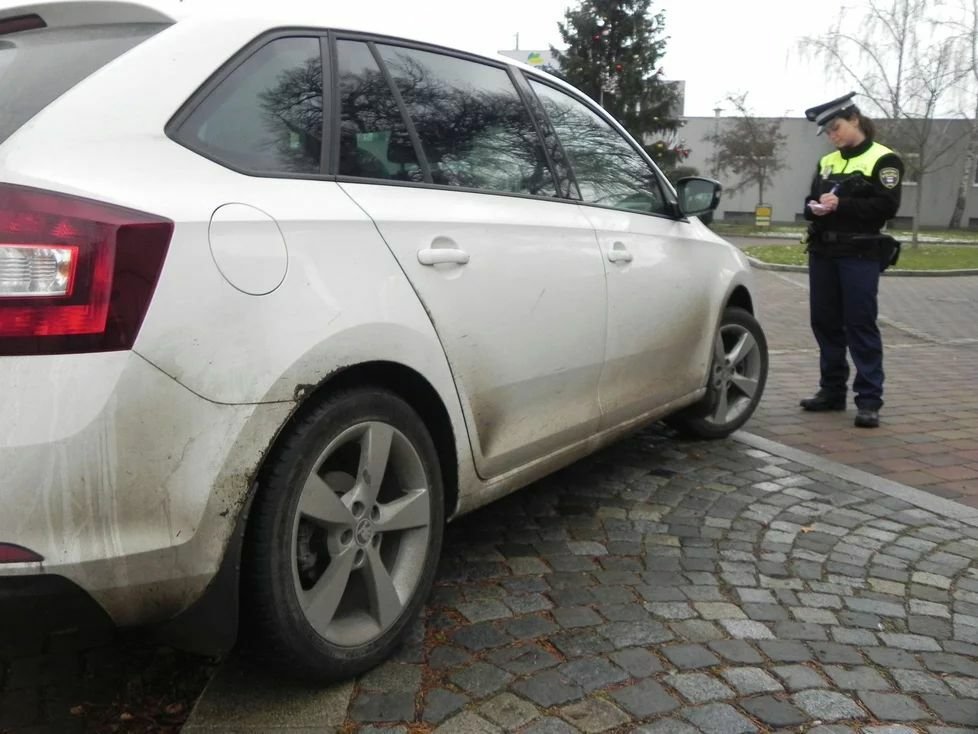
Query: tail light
75, 275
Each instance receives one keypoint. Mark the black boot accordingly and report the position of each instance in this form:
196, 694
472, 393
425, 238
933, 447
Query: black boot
867, 418
822, 401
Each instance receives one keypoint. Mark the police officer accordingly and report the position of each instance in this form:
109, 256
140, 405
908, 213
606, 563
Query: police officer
856, 189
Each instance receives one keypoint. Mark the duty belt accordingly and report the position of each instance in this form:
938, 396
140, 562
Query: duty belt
845, 237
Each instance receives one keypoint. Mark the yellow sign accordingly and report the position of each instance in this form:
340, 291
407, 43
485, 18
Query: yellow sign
762, 216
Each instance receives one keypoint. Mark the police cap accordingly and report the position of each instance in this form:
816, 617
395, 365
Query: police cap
823, 113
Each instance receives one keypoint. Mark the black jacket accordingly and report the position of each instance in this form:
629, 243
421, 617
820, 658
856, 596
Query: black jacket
865, 204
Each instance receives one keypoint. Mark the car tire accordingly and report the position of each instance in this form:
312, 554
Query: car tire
343, 537
738, 373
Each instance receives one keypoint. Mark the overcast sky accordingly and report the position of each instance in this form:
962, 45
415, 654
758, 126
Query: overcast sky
716, 46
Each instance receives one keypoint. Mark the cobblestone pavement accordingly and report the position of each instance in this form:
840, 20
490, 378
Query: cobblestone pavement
666, 587
929, 433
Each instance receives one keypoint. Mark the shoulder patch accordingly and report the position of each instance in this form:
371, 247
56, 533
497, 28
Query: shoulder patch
889, 177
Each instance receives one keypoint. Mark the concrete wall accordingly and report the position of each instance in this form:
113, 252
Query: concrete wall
802, 150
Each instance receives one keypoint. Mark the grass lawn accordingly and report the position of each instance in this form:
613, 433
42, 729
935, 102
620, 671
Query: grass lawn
922, 257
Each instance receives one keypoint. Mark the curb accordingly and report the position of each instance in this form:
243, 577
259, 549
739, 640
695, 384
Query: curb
761, 265
916, 497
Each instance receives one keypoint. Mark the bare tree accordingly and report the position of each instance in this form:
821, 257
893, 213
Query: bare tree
965, 28
748, 147
899, 58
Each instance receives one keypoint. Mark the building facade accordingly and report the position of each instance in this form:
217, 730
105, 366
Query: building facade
800, 154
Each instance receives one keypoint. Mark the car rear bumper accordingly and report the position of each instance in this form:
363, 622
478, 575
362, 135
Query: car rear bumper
126, 483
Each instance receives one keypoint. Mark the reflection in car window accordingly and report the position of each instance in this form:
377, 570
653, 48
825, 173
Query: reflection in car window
267, 115
609, 171
374, 141
474, 129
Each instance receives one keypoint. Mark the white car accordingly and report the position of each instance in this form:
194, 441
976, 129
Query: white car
279, 296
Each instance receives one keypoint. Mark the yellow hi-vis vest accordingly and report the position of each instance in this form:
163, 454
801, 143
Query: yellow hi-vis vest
834, 163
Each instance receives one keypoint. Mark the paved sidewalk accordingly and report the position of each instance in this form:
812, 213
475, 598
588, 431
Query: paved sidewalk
668, 587
929, 433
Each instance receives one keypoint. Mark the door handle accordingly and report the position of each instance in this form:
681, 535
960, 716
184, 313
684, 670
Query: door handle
619, 253
442, 256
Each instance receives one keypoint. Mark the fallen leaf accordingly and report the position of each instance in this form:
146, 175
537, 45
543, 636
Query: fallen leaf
807, 529
126, 716
77, 710
174, 709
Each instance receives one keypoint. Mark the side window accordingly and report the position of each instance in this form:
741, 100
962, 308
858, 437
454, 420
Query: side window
267, 115
609, 171
474, 128
374, 141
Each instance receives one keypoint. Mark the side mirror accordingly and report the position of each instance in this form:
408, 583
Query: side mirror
698, 196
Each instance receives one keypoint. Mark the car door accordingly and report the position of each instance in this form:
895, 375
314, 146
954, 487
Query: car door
441, 152
659, 312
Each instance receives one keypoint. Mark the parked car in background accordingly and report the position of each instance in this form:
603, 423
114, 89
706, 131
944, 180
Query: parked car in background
282, 293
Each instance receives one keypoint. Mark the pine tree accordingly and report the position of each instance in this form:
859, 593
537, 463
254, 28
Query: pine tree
614, 56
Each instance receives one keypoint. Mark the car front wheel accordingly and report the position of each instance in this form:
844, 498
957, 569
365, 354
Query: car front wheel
344, 536
738, 372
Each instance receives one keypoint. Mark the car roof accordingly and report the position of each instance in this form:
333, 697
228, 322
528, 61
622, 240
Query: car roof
267, 14
271, 13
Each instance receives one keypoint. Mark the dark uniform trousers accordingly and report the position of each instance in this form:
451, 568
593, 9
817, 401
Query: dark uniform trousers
843, 294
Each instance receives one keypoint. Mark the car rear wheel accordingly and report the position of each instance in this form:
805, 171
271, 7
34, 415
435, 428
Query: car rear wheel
344, 536
738, 372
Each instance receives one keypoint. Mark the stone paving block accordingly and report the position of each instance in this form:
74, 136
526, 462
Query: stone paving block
594, 715
481, 679
592, 673
751, 680
785, 651
526, 603
547, 689
799, 631
670, 610
893, 707
774, 712
667, 726
736, 651
508, 711
719, 610
859, 678
719, 718
697, 630
832, 652
483, 611
582, 642
947, 663
915, 643
744, 629
549, 725
918, 681
646, 698
440, 703
382, 706
637, 661
964, 687
827, 705
481, 636
888, 658
523, 659
571, 617
699, 687
529, 626
689, 657
800, 677
467, 723
632, 634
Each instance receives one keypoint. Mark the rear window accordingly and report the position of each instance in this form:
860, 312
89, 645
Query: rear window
37, 67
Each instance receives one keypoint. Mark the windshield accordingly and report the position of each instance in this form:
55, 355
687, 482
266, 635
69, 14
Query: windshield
37, 67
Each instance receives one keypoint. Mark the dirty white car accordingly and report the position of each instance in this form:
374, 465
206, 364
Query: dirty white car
280, 295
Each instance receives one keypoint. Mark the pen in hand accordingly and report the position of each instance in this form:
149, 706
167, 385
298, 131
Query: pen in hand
819, 208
